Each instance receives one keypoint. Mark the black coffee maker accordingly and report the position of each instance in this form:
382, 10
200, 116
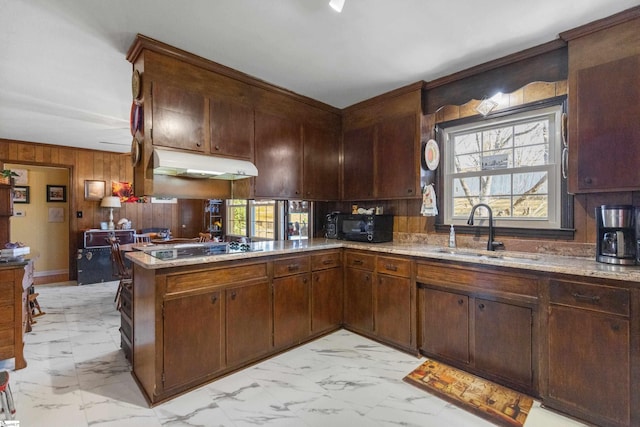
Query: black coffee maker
331, 225
616, 234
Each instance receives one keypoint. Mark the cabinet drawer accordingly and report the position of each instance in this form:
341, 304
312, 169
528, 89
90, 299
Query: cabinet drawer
394, 266
593, 297
189, 281
360, 260
325, 260
288, 266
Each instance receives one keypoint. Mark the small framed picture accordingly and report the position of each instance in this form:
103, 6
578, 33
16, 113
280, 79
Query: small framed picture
21, 194
94, 190
56, 193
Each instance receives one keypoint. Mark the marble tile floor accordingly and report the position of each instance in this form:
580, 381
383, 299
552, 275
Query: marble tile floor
78, 376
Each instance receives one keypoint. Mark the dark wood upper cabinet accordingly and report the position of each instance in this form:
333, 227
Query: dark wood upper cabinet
321, 179
604, 106
178, 118
358, 164
607, 130
231, 128
381, 146
278, 157
396, 151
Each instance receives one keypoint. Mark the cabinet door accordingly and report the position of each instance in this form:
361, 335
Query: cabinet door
326, 300
396, 166
321, 164
231, 128
278, 157
393, 309
589, 363
248, 315
358, 299
358, 164
503, 340
178, 118
445, 324
607, 116
193, 338
291, 310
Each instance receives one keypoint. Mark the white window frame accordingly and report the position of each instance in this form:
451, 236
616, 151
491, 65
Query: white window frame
553, 168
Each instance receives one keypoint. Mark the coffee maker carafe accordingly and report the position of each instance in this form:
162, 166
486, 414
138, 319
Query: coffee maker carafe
616, 234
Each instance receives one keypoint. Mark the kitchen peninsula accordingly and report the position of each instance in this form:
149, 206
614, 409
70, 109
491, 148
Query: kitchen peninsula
198, 318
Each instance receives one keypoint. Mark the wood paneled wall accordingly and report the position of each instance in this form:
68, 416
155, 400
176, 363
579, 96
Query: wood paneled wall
91, 165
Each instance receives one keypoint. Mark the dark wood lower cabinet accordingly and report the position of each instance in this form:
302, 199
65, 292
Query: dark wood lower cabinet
188, 320
504, 341
358, 300
590, 353
291, 310
326, 300
248, 322
474, 319
439, 308
393, 309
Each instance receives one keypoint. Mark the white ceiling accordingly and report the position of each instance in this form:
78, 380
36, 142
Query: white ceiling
64, 78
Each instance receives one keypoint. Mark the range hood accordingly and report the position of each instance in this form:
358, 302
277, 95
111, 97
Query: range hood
200, 166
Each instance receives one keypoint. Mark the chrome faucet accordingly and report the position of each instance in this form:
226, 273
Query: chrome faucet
491, 244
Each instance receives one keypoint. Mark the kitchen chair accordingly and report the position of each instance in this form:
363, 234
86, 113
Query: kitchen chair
204, 237
8, 407
142, 238
121, 271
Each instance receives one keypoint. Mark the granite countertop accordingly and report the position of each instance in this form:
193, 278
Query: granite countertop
579, 266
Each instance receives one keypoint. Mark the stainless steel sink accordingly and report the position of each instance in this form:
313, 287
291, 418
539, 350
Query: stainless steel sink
487, 254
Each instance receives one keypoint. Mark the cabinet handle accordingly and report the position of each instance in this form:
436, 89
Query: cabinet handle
233, 295
460, 301
304, 280
481, 306
391, 267
293, 267
589, 298
327, 261
214, 299
357, 262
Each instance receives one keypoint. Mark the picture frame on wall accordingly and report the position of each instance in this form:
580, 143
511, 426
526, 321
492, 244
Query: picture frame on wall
56, 193
94, 190
20, 194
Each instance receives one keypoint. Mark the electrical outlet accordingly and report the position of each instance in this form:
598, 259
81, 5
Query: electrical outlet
78, 214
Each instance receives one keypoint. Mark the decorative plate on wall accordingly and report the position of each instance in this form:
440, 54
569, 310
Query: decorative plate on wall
135, 152
135, 84
432, 154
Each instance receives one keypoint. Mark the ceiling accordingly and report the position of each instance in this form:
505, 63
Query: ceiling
65, 80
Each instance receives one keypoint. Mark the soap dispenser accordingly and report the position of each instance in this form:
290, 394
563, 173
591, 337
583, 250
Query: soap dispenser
452, 237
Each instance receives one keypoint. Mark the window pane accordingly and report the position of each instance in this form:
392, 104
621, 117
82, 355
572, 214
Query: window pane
467, 143
497, 185
467, 163
237, 217
462, 206
497, 138
531, 155
466, 187
532, 133
531, 207
530, 183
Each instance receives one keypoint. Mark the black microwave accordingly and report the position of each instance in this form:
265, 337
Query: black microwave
365, 228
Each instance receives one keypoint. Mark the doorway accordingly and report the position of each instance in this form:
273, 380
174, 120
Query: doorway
41, 219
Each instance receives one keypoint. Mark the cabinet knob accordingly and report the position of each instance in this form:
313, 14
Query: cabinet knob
615, 327
214, 299
217, 148
588, 181
233, 295
460, 301
481, 306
